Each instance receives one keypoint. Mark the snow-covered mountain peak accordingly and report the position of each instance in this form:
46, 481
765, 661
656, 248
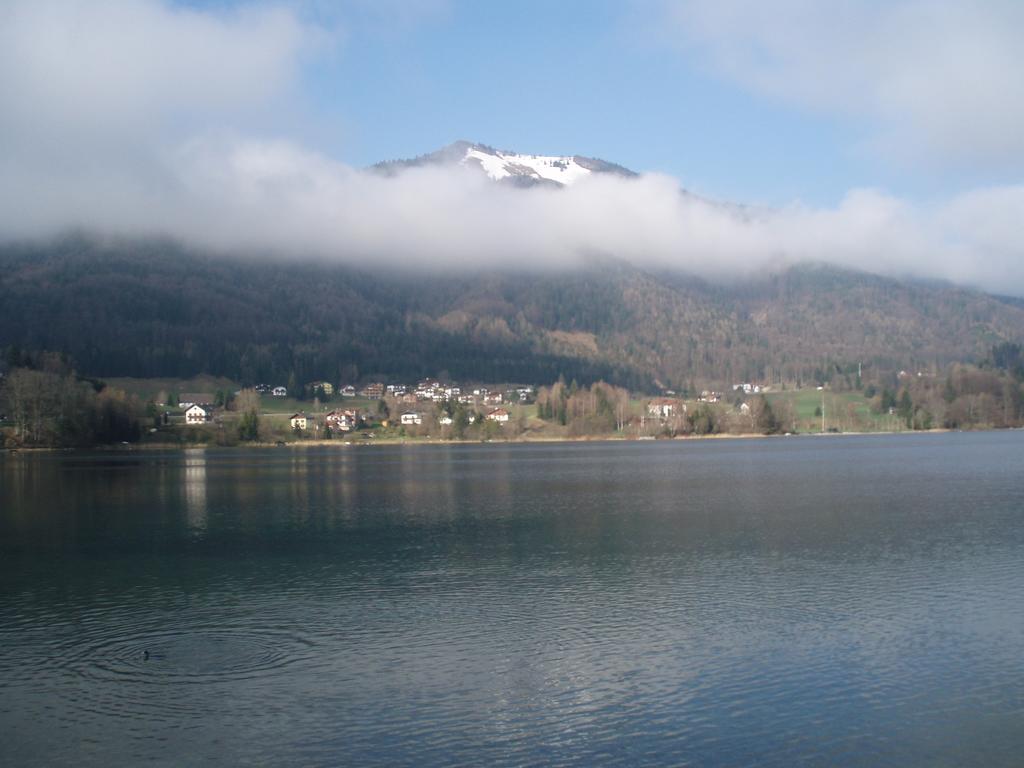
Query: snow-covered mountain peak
512, 167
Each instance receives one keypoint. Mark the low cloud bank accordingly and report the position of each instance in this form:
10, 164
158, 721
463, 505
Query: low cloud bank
274, 197
106, 127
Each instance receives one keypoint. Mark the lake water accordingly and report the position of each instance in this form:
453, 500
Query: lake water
822, 600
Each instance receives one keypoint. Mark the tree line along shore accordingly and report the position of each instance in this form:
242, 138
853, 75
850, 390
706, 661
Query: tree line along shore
45, 403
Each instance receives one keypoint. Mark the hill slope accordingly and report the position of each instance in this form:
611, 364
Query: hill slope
156, 309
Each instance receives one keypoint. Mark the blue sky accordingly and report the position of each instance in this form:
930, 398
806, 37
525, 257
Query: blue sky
632, 82
591, 78
571, 78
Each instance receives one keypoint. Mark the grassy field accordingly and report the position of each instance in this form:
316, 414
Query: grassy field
844, 411
149, 389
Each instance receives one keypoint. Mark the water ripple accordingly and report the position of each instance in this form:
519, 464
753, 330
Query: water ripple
549, 611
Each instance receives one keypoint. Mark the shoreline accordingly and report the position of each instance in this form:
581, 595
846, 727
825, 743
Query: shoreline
345, 444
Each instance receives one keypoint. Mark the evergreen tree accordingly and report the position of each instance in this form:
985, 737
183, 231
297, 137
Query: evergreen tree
249, 426
906, 408
460, 420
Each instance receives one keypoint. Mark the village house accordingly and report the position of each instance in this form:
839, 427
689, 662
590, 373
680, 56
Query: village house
429, 389
745, 409
747, 388
298, 421
707, 396
280, 392
347, 391
663, 408
499, 415
412, 417
198, 414
445, 420
493, 398
344, 420
188, 399
373, 391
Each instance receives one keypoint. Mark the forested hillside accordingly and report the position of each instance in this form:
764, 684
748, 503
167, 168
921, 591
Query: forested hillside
152, 308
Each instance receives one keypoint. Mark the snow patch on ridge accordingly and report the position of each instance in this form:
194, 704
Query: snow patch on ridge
498, 165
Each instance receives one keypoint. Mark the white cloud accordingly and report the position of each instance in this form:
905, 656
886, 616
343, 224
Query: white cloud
111, 63
93, 90
939, 81
118, 118
241, 194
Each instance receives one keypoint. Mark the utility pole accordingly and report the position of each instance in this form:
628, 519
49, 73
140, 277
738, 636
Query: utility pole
823, 411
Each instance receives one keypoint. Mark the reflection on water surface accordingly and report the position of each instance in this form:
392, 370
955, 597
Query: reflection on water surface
835, 601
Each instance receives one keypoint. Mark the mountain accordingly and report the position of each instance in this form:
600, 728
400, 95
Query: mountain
510, 167
155, 308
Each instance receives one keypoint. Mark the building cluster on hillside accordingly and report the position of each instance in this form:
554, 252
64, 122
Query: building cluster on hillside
427, 390
204, 407
479, 402
432, 390
438, 393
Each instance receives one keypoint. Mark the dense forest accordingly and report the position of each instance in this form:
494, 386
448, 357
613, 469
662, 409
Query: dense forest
156, 309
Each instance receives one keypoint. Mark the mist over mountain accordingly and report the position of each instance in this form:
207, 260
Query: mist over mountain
235, 147
469, 206
156, 308
485, 264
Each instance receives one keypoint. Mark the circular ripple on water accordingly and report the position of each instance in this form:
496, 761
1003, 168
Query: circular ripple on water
116, 667
193, 656
172, 674
201, 656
